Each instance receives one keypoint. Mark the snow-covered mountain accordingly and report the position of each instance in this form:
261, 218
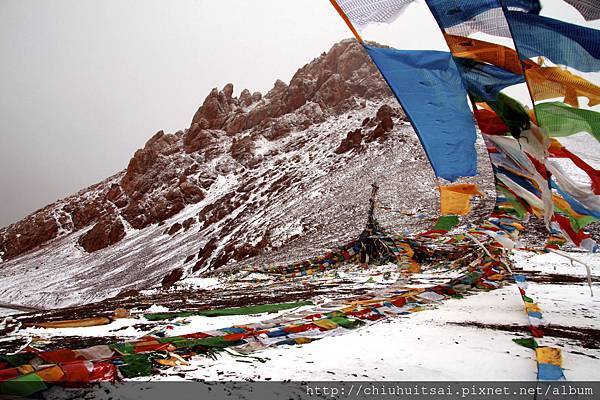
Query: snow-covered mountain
254, 179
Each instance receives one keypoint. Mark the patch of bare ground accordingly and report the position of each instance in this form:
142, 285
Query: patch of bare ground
588, 338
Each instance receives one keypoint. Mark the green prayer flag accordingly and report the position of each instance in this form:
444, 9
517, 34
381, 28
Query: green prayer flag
446, 222
511, 112
136, 365
254, 309
526, 342
516, 207
212, 342
527, 299
16, 360
123, 348
560, 119
24, 385
347, 323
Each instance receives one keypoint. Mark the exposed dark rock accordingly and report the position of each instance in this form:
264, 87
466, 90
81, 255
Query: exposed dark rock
105, 233
176, 227
352, 141
245, 98
205, 254
171, 278
164, 176
188, 223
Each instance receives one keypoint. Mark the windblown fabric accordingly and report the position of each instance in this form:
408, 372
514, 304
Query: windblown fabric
521, 164
590, 9
450, 13
486, 68
511, 112
570, 46
456, 199
559, 151
575, 190
486, 81
562, 43
429, 88
490, 22
526, 177
553, 82
464, 17
562, 120
551, 60
485, 52
490, 123
364, 12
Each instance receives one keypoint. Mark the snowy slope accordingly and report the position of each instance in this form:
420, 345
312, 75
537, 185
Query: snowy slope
324, 205
457, 339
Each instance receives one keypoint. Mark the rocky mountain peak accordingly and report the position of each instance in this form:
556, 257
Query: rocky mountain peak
157, 184
227, 179
332, 81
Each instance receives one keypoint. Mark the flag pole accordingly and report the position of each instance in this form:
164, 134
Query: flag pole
346, 20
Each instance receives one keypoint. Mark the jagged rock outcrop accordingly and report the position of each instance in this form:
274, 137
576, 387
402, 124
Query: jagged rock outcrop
385, 123
171, 171
245, 98
106, 232
352, 141
27, 234
171, 278
198, 138
215, 109
331, 81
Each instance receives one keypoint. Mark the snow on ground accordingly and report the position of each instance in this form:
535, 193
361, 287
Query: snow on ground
422, 346
59, 274
430, 346
324, 205
6, 311
437, 344
552, 263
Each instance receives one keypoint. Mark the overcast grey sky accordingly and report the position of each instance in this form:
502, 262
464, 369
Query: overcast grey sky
83, 84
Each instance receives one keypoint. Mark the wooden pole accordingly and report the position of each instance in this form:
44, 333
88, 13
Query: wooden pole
346, 20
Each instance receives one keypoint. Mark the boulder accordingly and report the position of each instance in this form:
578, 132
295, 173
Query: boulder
352, 141
171, 278
246, 98
106, 232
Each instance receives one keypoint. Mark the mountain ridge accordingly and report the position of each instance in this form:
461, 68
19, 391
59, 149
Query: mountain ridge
324, 80
252, 180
